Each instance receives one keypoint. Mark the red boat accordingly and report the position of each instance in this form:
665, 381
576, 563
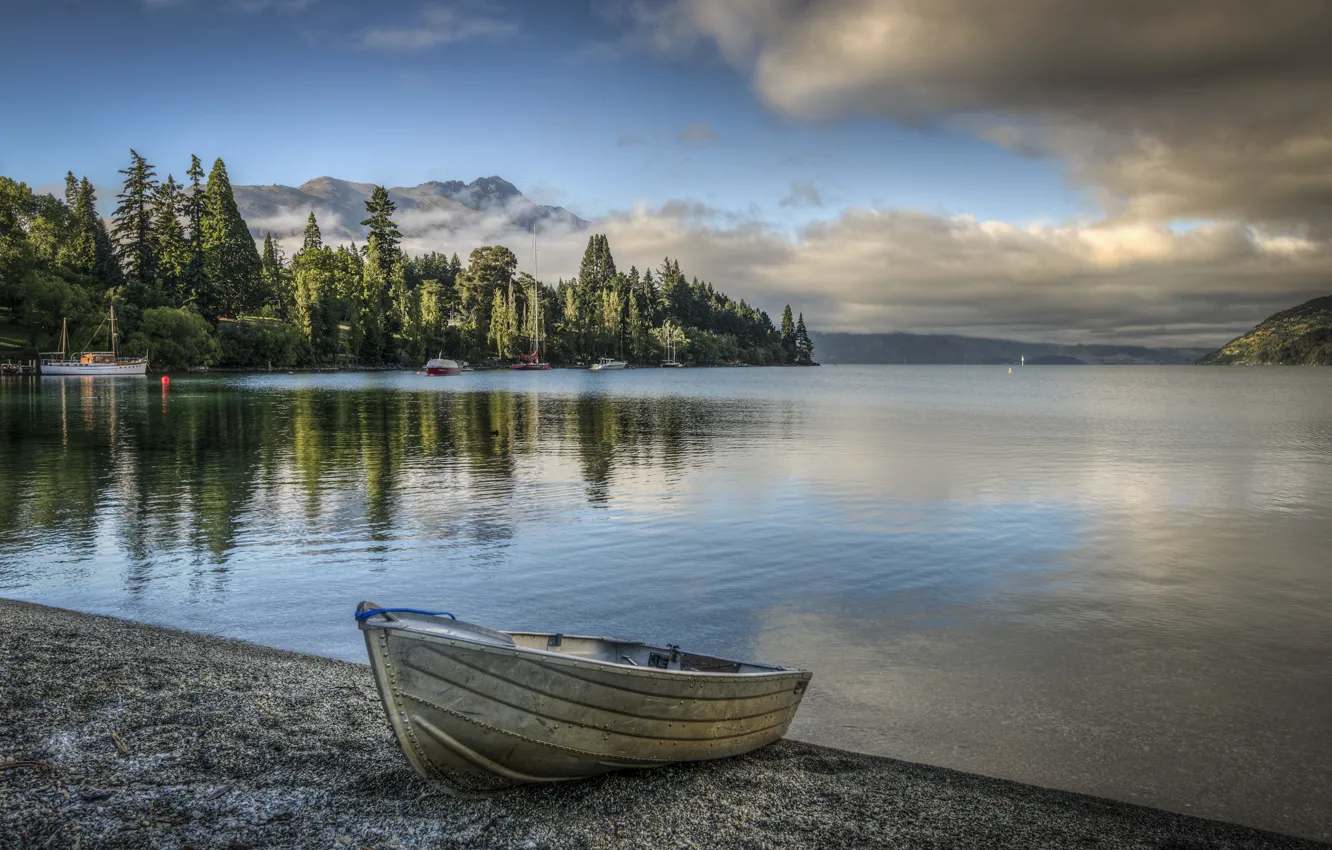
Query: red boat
440, 366
529, 363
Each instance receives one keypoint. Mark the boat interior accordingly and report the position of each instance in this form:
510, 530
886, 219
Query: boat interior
603, 649
633, 653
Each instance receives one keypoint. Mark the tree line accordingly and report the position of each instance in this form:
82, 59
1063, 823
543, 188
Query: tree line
191, 287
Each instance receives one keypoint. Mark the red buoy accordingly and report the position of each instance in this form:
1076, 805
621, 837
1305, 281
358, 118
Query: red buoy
166, 379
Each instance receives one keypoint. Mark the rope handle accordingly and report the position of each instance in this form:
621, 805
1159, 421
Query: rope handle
362, 616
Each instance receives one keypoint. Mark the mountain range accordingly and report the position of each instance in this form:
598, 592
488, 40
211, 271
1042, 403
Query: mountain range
487, 205
931, 349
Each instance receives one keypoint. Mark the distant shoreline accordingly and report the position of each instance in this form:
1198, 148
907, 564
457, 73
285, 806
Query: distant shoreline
129, 735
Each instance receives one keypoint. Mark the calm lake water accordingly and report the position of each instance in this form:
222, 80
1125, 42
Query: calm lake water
1109, 580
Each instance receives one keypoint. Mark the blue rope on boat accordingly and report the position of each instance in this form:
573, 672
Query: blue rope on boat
362, 616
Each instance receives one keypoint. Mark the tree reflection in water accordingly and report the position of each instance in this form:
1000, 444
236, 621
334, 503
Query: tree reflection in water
191, 476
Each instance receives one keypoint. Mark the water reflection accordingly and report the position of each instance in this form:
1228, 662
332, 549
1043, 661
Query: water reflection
188, 477
1107, 580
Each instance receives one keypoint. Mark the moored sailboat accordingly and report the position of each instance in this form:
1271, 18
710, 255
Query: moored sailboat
532, 362
670, 362
91, 363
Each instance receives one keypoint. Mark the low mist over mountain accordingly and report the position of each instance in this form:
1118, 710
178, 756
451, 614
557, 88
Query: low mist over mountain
930, 349
486, 206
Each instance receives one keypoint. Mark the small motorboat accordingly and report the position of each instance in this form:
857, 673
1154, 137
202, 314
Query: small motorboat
608, 363
442, 366
480, 710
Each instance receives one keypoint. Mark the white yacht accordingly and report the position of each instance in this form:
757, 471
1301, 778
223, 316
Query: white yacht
607, 363
92, 363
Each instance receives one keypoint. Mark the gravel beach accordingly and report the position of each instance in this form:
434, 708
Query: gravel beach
128, 735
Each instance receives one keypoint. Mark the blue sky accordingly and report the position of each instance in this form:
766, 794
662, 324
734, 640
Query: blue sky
1063, 171
546, 97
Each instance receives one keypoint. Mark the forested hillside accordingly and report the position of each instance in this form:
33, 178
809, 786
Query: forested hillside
1300, 336
191, 288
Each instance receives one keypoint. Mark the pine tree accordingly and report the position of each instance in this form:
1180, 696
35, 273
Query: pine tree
406, 314
276, 284
71, 190
598, 266
789, 350
313, 238
172, 250
382, 229
343, 299
371, 305
311, 314
804, 346
195, 287
89, 251
230, 260
503, 329
134, 219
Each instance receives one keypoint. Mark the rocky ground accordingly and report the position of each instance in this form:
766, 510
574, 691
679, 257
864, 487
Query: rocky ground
114, 734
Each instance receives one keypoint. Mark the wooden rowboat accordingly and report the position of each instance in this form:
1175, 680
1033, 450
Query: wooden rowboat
478, 709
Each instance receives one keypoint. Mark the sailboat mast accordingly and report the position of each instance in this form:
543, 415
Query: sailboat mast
113, 331
536, 296
64, 339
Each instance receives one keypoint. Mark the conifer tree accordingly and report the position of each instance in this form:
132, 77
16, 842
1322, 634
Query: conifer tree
71, 190
195, 288
171, 248
89, 251
344, 297
405, 305
788, 335
134, 219
503, 330
313, 238
804, 346
371, 303
276, 282
314, 292
382, 228
230, 259
598, 266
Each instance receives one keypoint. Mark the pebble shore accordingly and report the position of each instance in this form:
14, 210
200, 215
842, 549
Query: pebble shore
120, 735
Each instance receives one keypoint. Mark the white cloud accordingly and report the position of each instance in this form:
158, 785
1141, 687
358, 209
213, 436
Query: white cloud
1187, 108
803, 194
697, 133
876, 269
438, 25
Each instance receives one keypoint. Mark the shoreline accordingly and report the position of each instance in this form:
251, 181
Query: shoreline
144, 736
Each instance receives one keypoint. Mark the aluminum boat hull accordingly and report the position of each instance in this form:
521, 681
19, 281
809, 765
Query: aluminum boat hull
483, 710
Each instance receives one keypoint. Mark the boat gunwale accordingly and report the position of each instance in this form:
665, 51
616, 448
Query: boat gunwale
564, 659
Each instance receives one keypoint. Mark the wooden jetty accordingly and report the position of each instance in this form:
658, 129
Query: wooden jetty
18, 367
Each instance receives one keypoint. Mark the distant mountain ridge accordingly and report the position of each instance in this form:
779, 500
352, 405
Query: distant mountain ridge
491, 204
1300, 336
939, 349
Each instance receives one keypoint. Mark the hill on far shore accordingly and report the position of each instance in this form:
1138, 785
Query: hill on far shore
1300, 336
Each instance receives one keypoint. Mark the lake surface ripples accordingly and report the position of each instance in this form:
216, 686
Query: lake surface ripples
1110, 580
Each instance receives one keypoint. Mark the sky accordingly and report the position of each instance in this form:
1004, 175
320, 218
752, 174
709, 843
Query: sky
1054, 170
